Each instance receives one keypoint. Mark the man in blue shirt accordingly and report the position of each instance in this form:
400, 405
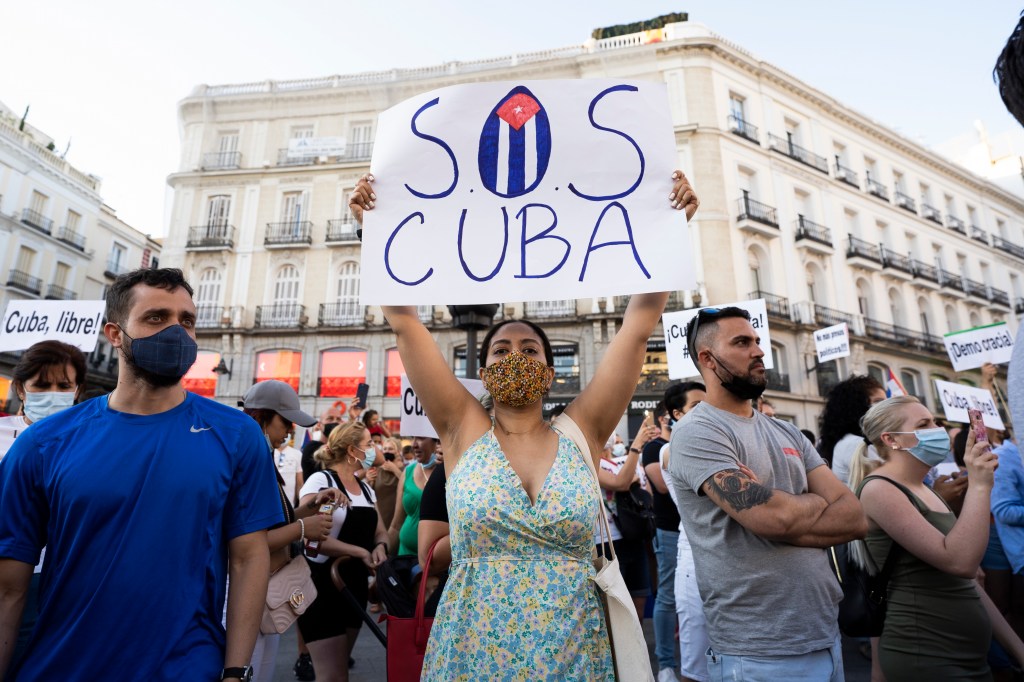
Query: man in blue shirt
145, 499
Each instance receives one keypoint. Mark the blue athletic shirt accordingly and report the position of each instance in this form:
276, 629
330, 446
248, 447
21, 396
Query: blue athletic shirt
136, 513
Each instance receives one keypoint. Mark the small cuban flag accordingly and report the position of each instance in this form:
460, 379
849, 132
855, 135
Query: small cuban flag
893, 387
515, 145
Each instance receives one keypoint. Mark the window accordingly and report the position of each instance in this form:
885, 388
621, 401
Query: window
792, 131
879, 373
737, 106
852, 223
38, 202
361, 134
567, 368
341, 372
961, 266
293, 207
803, 204
61, 275
118, 257
839, 151
938, 256
283, 365
864, 297
896, 308
286, 286
950, 205
986, 274
348, 289
972, 216
654, 374
760, 276
207, 298
975, 319
1001, 228
925, 315
936, 398
912, 244
200, 378
926, 194
26, 260
227, 143
953, 318
748, 183
393, 371
827, 374
898, 181
911, 381
218, 211
73, 221
870, 169
301, 132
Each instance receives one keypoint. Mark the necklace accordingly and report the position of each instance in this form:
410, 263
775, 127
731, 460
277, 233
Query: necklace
519, 433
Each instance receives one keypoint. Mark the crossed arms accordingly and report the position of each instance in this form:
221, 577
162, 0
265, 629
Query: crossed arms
828, 514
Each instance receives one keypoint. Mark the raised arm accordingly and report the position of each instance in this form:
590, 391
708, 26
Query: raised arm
599, 406
448, 405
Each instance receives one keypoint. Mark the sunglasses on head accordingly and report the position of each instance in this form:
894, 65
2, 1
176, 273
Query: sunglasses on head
702, 314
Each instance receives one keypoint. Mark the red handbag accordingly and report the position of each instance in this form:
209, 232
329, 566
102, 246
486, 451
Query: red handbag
407, 637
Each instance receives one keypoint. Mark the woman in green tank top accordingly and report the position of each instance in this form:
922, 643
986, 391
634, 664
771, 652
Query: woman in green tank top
402, 535
939, 623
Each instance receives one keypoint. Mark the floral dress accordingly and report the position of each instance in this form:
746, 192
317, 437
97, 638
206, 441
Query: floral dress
520, 603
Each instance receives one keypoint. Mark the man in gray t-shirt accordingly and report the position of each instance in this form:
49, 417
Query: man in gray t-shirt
758, 506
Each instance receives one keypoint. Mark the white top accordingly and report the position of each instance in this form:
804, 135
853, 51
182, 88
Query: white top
842, 456
10, 427
321, 480
671, 485
289, 463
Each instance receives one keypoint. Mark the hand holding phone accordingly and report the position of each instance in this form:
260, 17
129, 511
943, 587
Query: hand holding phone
977, 425
362, 391
313, 546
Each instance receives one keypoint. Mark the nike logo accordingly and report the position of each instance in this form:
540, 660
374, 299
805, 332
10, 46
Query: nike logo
195, 430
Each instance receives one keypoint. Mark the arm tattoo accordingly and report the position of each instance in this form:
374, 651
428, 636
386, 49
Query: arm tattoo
738, 489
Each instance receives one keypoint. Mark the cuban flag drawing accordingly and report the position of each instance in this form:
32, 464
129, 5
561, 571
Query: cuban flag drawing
515, 145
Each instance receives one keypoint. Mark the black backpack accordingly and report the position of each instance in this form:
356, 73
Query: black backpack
635, 513
397, 582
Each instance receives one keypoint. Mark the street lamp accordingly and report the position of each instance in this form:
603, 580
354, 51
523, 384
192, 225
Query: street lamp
472, 318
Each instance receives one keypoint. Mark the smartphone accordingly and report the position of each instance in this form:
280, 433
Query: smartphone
313, 546
362, 391
978, 424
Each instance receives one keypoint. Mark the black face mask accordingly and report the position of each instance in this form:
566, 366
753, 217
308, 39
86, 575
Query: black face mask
744, 388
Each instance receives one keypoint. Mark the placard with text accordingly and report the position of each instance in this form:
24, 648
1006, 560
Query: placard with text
75, 322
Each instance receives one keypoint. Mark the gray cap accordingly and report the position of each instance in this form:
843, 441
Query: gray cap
279, 397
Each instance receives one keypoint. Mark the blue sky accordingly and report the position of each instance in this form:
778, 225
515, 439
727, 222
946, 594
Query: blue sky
107, 74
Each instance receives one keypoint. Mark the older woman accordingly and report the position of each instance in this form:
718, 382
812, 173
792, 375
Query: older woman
330, 626
523, 502
939, 622
274, 405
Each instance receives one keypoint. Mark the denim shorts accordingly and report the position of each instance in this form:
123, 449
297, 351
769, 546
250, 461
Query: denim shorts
824, 665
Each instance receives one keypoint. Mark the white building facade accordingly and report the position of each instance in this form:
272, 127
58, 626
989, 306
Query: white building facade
58, 240
805, 202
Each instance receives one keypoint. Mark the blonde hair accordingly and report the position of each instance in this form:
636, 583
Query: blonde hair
394, 441
336, 449
883, 417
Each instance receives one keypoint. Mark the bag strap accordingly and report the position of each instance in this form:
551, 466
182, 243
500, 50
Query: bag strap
565, 425
422, 633
894, 551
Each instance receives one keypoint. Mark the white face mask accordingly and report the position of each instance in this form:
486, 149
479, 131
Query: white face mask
618, 450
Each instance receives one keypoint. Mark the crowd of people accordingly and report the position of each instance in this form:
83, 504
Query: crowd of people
143, 532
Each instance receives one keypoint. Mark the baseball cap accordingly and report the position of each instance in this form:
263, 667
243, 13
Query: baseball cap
279, 397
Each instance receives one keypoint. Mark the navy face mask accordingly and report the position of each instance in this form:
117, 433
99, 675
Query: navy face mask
168, 354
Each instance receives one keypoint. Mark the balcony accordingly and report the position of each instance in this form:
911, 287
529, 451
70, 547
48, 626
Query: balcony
979, 235
211, 316
955, 224
907, 338
826, 317
56, 292
280, 316
341, 314
757, 218
653, 381
567, 384
1018, 306
360, 151
555, 308
975, 288
283, 159
813, 236
222, 160
881, 331
25, 282
778, 306
905, 202
844, 174
876, 189
777, 381
951, 283
115, 268
929, 212
37, 220
211, 237
999, 297
895, 263
925, 274
863, 254
289, 234
72, 238
744, 129
341, 230
784, 145
1007, 247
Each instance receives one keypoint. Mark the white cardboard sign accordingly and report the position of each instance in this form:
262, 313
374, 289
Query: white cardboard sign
525, 190
75, 322
414, 419
680, 365
972, 348
832, 343
956, 398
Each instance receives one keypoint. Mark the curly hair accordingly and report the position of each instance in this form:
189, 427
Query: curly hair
845, 404
338, 443
1009, 72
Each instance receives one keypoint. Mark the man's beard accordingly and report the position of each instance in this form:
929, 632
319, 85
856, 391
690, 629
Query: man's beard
151, 379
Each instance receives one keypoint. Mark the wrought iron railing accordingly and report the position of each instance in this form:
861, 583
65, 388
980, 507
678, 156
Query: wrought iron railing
979, 235
905, 201
778, 306
342, 230
955, 224
35, 219
294, 232
751, 209
280, 315
69, 236
213, 235
794, 151
743, 128
925, 270
25, 282
950, 281
999, 297
222, 160
858, 248
929, 212
115, 268
973, 287
808, 229
876, 188
1007, 246
554, 308
777, 381
209, 316
827, 317
895, 261
59, 293
341, 314
847, 175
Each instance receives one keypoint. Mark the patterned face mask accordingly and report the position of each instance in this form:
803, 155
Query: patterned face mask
516, 380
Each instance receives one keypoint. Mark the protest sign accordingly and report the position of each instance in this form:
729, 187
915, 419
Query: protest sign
75, 322
957, 398
972, 348
414, 419
680, 365
832, 343
518, 191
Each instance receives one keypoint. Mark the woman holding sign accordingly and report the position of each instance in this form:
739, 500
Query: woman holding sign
522, 501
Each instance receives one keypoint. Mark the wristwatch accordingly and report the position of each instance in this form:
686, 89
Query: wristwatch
244, 673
